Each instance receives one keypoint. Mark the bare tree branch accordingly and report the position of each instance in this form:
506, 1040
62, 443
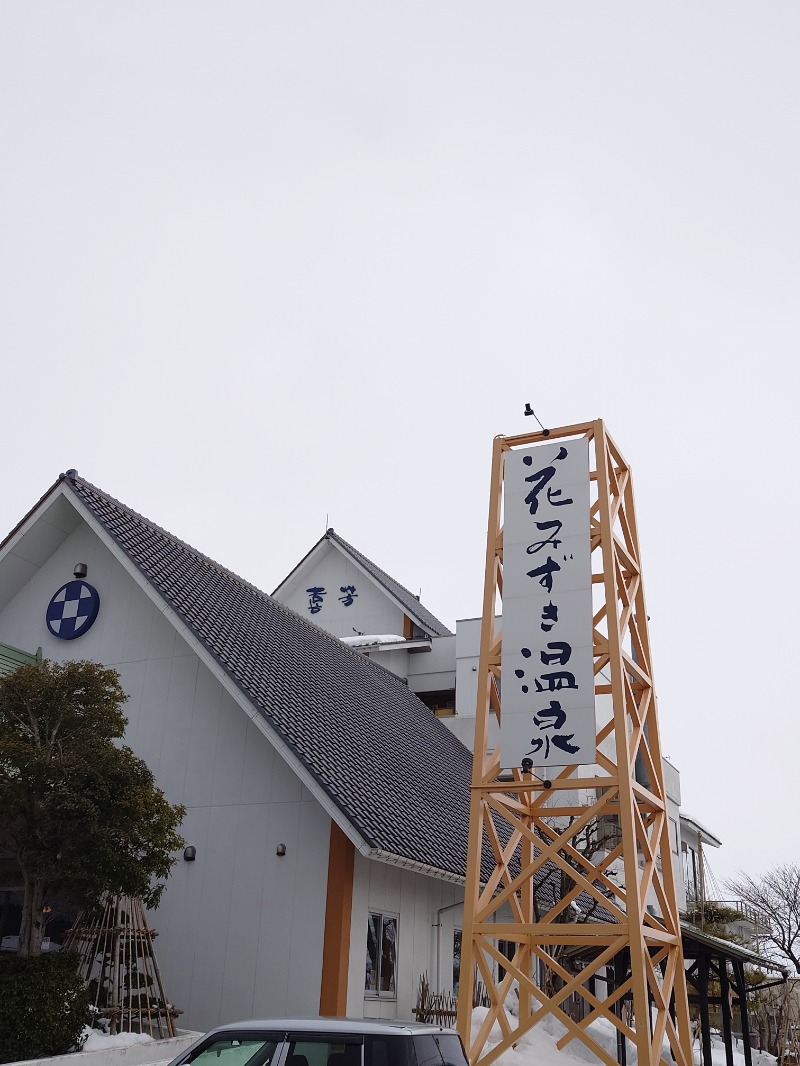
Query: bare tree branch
774, 900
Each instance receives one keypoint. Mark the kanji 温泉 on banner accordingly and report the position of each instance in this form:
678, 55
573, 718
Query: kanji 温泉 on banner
547, 696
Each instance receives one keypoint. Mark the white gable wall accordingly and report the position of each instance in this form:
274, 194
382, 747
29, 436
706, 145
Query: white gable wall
424, 935
240, 929
370, 612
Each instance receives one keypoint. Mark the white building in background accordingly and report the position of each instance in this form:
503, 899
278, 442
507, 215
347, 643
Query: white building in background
349, 596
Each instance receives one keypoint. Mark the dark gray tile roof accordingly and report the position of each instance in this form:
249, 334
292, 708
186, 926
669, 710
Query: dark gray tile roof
409, 601
399, 776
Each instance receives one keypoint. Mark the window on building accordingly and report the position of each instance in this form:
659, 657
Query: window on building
690, 873
442, 703
609, 831
509, 949
381, 955
456, 960
673, 836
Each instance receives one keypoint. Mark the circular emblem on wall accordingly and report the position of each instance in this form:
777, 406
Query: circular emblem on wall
72, 610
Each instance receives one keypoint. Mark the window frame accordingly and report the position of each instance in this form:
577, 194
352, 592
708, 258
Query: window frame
383, 916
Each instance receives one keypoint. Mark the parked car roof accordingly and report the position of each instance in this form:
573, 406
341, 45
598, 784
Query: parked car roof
333, 1025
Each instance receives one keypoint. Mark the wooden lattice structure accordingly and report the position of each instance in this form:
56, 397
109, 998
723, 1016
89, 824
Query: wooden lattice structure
620, 957
119, 966
789, 1025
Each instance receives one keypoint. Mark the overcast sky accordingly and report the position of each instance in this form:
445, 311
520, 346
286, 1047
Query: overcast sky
266, 266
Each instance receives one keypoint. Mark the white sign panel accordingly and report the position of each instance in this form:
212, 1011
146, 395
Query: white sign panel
547, 693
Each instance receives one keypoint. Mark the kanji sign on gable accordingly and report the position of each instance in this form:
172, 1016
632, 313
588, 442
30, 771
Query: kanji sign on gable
548, 712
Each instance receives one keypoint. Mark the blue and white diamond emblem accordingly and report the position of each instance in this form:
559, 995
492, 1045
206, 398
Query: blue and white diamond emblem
72, 610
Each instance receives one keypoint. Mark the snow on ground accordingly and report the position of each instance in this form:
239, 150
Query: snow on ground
539, 1045
97, 1041
760, 1058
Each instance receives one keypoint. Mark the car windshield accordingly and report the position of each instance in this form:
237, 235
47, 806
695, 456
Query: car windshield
250, 1050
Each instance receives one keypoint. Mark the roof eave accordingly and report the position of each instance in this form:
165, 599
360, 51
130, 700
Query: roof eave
25, 523
705, 835
730, 947
404, 863
404, 607
322, 540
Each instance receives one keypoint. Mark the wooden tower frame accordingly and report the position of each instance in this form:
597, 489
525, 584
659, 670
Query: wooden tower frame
628, 938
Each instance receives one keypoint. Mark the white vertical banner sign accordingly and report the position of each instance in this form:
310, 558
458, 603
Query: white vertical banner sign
547, 696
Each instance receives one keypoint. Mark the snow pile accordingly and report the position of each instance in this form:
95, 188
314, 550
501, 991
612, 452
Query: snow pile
97, 1041
760, 1058
539, 1045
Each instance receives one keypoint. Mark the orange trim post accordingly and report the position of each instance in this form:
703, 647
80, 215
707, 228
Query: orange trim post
338, 909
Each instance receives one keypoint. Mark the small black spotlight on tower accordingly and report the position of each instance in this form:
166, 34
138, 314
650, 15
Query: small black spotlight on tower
530, 411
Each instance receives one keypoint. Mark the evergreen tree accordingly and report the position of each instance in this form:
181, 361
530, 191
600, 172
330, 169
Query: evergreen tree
80, 812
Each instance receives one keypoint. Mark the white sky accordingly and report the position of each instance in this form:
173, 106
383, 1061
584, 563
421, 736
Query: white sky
265, 263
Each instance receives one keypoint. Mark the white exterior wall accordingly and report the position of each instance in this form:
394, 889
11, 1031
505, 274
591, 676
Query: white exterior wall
396, 662
672, 786
468, 645
467, 650
240, 929
422, 945
434, 670
370, 612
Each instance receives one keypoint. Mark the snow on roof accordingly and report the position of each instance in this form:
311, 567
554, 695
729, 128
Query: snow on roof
366, 640
705, 835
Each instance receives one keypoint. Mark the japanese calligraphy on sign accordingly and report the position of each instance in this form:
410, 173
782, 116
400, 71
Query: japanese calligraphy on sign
316, 597
548, 711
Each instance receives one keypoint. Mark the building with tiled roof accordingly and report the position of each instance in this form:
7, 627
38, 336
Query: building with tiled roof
327, 806
337, 573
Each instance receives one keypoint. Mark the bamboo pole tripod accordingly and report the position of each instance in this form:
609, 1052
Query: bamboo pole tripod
119, 965
608, 944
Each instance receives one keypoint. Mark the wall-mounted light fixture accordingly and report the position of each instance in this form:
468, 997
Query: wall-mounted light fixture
280, 850
190, 853
81, 570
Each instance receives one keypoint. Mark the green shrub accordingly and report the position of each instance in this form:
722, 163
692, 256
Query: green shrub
43, 1005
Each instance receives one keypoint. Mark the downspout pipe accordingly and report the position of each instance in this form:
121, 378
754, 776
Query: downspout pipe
437, 925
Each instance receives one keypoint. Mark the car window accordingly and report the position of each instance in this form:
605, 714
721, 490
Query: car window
308, 1050
247, 1050
388, 1051
439, 1049
451, 1049
427, 1051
